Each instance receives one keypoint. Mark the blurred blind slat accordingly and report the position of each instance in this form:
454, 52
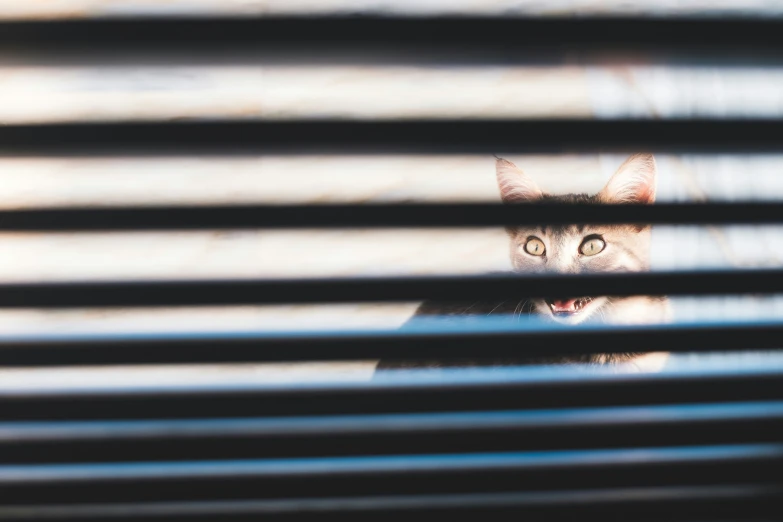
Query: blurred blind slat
391, 40
436, 343
357, 289
474, 136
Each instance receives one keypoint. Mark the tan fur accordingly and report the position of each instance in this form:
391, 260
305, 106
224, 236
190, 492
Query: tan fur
627, 247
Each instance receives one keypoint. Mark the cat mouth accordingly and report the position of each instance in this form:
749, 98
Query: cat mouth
568, 306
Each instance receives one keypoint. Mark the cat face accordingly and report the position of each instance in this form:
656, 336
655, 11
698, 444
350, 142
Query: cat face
575, 249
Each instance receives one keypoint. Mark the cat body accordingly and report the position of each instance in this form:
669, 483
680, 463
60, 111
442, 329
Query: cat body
570, 249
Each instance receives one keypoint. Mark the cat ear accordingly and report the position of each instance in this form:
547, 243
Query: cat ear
634, 181
515, 186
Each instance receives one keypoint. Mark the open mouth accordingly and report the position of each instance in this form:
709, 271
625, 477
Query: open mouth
568, 306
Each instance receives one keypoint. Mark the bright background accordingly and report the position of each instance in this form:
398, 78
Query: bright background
52, 92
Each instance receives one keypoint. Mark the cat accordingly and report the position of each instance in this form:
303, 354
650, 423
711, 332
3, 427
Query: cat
568, 249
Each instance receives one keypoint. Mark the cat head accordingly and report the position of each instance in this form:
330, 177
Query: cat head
575, 249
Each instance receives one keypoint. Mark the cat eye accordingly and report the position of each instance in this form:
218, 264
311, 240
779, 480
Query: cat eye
592, 245
535, 247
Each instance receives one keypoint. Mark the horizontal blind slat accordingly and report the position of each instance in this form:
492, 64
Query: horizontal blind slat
460, 341
376, 475
456, 39
451, 391
747, 502
196, 292
439, 215
409, 136
390, 434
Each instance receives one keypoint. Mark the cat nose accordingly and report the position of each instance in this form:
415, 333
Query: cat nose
563, 268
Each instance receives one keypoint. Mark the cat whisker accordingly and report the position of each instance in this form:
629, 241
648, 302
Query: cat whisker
519, 308
498, 306
466, 310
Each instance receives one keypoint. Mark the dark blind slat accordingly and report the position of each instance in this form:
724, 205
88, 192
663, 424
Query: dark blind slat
505, 343
390, 434
372, 289
729, 503
444, 39
462, 136
452, 391
454, 215
377, 475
